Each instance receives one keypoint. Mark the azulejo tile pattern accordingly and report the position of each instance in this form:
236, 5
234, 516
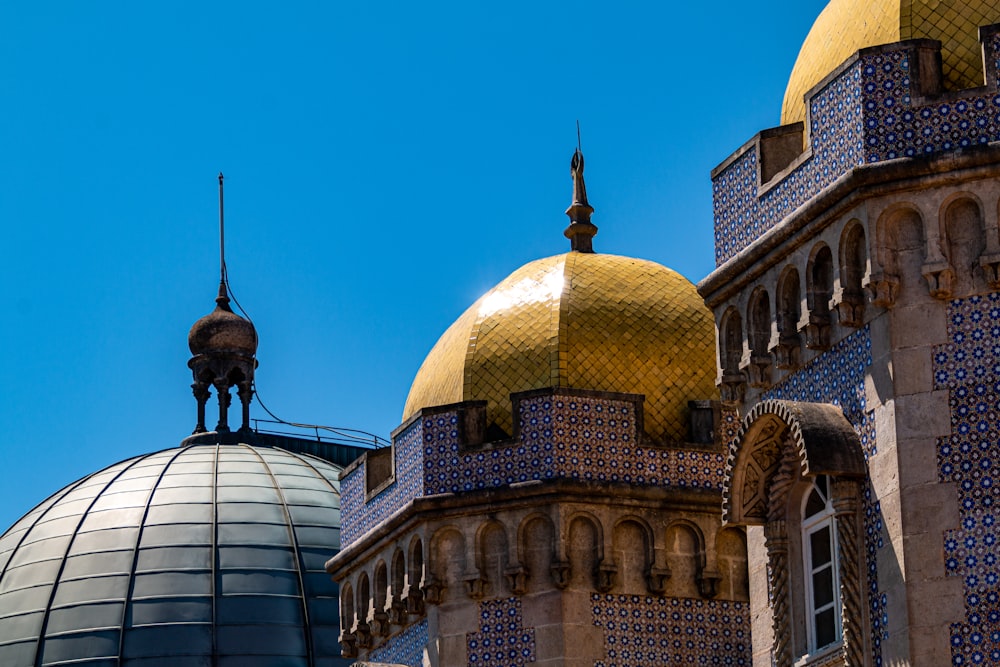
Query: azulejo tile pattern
641, 630
357, 515
865, 115
562, 437
969, 366
838, 376
406, 648
502, 640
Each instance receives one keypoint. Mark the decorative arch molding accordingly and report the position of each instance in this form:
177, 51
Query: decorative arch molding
780, 443
822, 439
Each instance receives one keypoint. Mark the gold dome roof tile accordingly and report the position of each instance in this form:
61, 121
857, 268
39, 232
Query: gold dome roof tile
584, 321
846, 26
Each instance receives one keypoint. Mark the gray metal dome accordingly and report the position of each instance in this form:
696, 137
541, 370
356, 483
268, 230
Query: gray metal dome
198, 555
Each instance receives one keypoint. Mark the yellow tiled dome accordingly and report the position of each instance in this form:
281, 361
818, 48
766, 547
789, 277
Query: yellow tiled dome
583, 321
845, 26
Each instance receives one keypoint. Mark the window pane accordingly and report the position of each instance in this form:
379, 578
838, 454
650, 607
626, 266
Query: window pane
826, 628
819, 543
822, 587
815, 504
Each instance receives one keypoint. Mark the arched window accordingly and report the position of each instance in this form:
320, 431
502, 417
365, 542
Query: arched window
819, 553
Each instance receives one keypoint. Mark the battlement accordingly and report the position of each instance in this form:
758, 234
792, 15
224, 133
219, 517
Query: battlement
571, 434
884, 103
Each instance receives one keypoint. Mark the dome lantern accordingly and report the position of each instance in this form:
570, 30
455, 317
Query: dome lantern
224, 346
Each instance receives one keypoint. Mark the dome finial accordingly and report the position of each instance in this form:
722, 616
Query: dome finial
581, 230
224, 346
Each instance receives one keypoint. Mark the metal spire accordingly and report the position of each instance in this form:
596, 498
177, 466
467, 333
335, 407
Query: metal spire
223, 298
581, 230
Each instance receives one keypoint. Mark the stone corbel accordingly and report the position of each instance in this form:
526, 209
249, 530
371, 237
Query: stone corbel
606, 573
560, 571
882, 289
850, 307
708, 583
476, 586
991, 267
348, 645
787, 352
398, 614
940, 279
517, 578
817, 331
363, 635
656, 579
733, 387
758, 369
380, 624
431, 592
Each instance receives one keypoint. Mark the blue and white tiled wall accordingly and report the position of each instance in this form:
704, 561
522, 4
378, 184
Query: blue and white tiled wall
865, 115
406, 648
969, 367
838, 377
641, 630
562, 437
502, 640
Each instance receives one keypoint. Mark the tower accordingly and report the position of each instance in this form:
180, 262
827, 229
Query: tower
552, 494
855, 300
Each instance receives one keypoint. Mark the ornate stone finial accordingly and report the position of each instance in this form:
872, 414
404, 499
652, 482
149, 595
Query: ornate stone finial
581, 230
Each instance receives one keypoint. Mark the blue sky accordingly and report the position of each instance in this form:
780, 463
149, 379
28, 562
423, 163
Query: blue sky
386, 163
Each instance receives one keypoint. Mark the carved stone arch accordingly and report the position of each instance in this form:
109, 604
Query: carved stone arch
689, 568
780, 443
362, 628
348, 640
732, 382
492, 549
819, 293
446, 565
963, 240
536, 553
787, 347
397, 588
632, 541
759, 321
849, 298
380, 600
900, 251
587, 566
416, 576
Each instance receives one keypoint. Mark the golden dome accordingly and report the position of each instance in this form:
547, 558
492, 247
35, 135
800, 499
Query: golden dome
582, 321
845, 26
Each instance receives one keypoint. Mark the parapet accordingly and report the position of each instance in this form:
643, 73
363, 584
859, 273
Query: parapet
559, 434
884, 103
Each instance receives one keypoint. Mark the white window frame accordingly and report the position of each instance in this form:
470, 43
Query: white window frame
823, 520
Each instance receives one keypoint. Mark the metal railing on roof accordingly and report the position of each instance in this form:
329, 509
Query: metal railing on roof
326, 434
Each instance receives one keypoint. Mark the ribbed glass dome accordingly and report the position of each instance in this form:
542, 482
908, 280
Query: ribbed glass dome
199, 555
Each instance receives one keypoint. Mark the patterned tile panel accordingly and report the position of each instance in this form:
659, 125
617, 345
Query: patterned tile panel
562, 437
406, 648
969, 366
502, 640
357, 516
838, 377
640, 631
865, 115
